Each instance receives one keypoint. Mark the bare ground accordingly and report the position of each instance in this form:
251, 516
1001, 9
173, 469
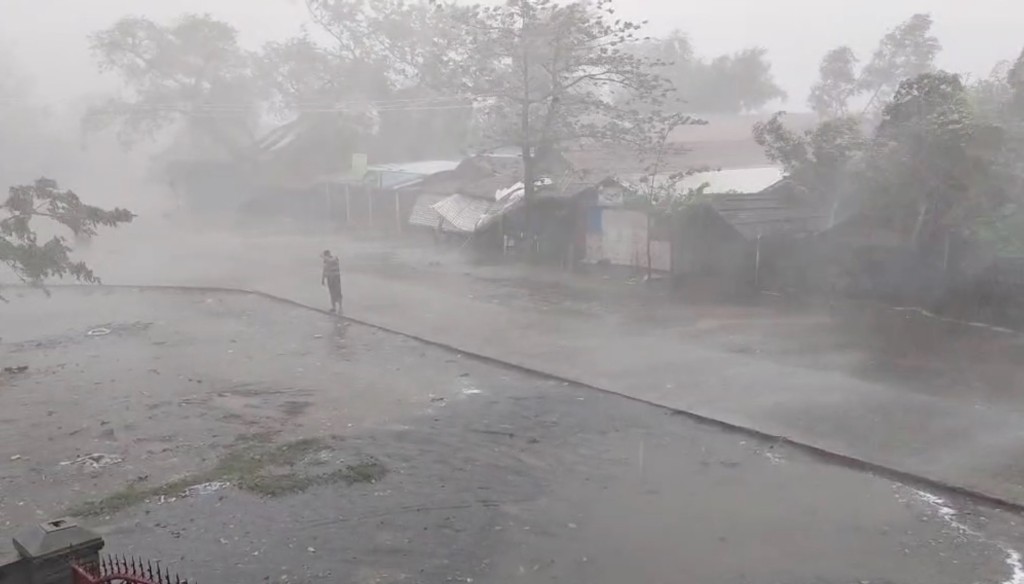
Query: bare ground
353, 455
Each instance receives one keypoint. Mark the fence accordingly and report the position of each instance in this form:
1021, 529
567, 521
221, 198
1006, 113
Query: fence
62, 552
121, 570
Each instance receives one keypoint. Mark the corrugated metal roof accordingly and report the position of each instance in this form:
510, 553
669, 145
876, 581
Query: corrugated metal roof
390, 179
486, 188
404, 174
773, 211
716, 154
739, 180
420, 167
470, 214
423, 213
464, 213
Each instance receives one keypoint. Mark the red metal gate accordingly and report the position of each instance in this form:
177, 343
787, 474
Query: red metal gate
122, 570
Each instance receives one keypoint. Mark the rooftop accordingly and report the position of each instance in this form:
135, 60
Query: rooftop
421, 167
734, 180
779, 209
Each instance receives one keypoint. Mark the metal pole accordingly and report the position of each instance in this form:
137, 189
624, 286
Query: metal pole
369, 199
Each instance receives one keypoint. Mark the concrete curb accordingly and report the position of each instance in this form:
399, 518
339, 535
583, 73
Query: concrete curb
818, 453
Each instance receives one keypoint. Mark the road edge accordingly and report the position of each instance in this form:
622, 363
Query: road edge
817, 452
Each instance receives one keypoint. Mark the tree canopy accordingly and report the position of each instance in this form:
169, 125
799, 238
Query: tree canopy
904, 52
378, 69
739, 82
191, 70
32, 261
820, 159
933, 165
553, 74
837, 83
392, 71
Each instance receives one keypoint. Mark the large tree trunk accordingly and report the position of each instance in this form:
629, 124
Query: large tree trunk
527, 150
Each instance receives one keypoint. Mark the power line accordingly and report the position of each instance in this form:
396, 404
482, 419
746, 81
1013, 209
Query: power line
224, 113
298, 105
242, 109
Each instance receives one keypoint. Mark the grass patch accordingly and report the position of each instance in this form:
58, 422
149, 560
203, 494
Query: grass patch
254, 466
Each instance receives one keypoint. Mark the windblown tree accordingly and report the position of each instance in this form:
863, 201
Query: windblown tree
931, 168
21, 251
735, 83
819, 160
1015, 81
191, 71
924, 176
906, 51
554, 73
376, 71
999, 101
992, 95
837, 82
312, 89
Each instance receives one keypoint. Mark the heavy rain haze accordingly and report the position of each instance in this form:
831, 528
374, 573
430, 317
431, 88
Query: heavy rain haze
48, 36
598, 291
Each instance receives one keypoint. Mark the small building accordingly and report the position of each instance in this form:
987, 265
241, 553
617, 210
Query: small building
390, 192
735, 242
483, 199
617, 235
722, 235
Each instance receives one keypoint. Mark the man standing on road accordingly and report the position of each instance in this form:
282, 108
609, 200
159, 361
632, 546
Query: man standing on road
332, 279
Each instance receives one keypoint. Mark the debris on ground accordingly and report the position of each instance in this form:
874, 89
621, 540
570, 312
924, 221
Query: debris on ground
16, 457
16, 369
96, 460
205, 488
124, 327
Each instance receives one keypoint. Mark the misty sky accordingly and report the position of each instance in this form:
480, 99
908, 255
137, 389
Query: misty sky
47, 37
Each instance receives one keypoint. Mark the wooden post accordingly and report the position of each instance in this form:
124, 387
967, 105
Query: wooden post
504, 237
945, 257
757, 265
330, 207
647, 215
398, 211
369, 202
348, 205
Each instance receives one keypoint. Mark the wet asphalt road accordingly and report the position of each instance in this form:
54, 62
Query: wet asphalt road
891, 387
493, 475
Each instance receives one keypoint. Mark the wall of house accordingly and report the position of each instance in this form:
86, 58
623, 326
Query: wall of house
709, 255
619, 237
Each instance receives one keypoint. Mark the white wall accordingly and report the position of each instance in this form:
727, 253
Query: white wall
622, 241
